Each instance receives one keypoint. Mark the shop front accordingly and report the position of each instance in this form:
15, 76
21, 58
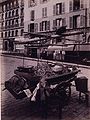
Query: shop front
8, 44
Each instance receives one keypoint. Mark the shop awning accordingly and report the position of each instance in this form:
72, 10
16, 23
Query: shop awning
61, 48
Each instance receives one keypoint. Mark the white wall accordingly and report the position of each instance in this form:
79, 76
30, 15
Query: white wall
49, 5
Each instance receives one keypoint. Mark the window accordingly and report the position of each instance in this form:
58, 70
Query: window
17, 12
9, 34
76, 21
16, 22
44, 12
5, 34
70, 6
31, 3
9, 13
59, 22
9, 22
8, 6
17, 3
1, 34
41, 26
2, 24
45, 25
76, 4
6, 24
22, 22
13, 13
12, 22
11, 5
22, 32
71, 22
3, 7
14, 3
6, 15
2, 16
12, 33
63, 21
16, 33
58, 8
82, 4
22, 11
32, 15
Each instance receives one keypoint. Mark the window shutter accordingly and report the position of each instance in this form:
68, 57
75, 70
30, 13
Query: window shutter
42, 12
82, 4
54, 9
71, 22
28, 28
32, 15
63, 7
41, 26
54, 24
63, 21
81, 20
48, 25
36, 27
45, 11
70, 6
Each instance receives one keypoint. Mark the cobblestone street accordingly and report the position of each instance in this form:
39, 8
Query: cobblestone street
12, 109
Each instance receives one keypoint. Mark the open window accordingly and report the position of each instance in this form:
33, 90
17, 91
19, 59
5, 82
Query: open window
58, 8
76, 4
45, 25
76, 21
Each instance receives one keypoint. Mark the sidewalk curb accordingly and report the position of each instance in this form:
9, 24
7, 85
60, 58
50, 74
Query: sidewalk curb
35, 59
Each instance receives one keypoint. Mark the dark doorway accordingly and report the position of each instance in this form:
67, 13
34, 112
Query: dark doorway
5, 45
32, 27
34, 52
11, 45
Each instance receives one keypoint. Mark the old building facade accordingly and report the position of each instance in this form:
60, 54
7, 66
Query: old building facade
11, 22
19, 16
47, 15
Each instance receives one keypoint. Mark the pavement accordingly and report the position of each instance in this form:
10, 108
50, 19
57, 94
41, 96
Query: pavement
12, 109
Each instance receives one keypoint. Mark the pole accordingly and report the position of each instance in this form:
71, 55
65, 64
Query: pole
85, 24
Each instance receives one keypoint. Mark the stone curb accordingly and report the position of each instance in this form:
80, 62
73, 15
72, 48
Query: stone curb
34, 59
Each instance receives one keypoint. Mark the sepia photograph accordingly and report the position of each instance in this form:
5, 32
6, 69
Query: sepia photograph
45, 59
